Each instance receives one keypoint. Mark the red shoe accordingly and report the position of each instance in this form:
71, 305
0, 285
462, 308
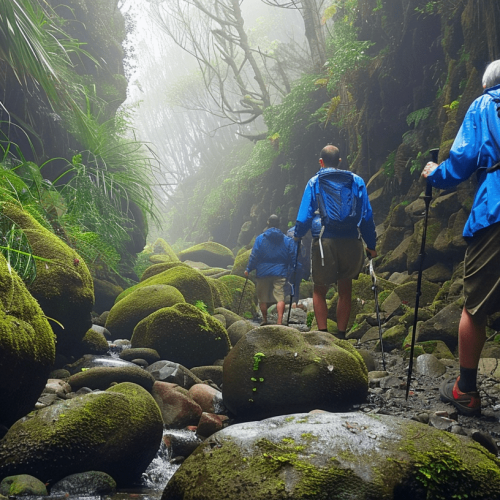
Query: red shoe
467, 403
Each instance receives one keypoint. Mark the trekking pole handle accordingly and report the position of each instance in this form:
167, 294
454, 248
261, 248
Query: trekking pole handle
428, 187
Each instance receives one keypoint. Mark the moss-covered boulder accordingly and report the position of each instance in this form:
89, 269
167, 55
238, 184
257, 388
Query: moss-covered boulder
102, 377
125, 314
275, 370
240, 263
220, 293
94, 342
183, 334
211, 253
159, 268
27, 347
117, 431
336, 456
244, 296
193, 286
160, 246
63, 287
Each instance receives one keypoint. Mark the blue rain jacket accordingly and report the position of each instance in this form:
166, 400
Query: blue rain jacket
307, 218
476, 148
272, 254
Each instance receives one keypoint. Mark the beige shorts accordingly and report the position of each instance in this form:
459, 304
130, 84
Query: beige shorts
343, 258
270, 289
482, 272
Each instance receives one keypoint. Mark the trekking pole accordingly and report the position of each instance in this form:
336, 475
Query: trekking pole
241, 298
421, 257
375, 292
292, 284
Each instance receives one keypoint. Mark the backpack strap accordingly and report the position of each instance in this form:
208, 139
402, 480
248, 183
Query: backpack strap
495, 167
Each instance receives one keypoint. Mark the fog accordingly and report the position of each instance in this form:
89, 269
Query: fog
170, 108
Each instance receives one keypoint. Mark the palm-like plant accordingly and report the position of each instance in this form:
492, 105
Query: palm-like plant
94, 192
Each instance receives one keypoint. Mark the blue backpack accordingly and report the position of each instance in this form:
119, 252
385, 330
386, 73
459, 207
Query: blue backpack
337, 199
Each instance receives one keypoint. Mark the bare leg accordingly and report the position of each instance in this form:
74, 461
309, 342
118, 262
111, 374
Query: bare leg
319, 304
280, 307
344, 303
263, 310
471, 339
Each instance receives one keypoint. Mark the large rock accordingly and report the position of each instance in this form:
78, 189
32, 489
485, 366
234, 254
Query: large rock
126, 313
63, 287
159, 268
193, 286
117, 432
211, 253
243, 294
27, 347
183, 334
274, 370
336, 457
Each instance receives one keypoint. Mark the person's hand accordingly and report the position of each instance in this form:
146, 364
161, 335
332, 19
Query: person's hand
428, 169
246, 274
371, 254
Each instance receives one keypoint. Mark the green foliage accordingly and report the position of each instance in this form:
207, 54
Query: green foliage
388, 165
452, 107
96, 251
346, 52
418, 163
201, 306
417, 116
438, 472
310, 319
292, 113
16, 249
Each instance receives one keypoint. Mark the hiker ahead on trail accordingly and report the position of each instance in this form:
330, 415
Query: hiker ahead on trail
476, 149
272, 255
339, 199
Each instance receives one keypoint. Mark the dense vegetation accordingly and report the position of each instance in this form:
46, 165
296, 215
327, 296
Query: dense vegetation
65, 155
384, 80
398, 79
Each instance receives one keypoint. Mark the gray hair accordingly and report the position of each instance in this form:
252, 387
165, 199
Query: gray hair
491, 76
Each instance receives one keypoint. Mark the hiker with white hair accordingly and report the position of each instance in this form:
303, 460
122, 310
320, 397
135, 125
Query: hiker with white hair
476, 150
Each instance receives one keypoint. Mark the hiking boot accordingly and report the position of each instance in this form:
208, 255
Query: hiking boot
467, 403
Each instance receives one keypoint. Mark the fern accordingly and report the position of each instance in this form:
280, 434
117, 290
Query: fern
417, 116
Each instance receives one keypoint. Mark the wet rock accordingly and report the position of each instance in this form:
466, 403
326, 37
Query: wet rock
101, 377
22, 485
181, 442
210, 423
173, 373
117, 431
239, 329
213, 373
149, 355
93, 483
177, 408
209, 399
301, 452
276, 370
430, 366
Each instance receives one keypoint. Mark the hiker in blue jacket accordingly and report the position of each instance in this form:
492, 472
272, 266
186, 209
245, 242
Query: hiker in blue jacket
272, 256
337, 255
303, 269
476, 149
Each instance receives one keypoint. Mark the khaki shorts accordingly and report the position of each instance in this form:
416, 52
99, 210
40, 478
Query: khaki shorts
343, 258
270, 289
482, 272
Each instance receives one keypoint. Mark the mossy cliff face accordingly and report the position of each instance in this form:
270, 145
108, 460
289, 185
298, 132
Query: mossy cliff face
183, 334
335, 456
117, 432
27, 347
275, 370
